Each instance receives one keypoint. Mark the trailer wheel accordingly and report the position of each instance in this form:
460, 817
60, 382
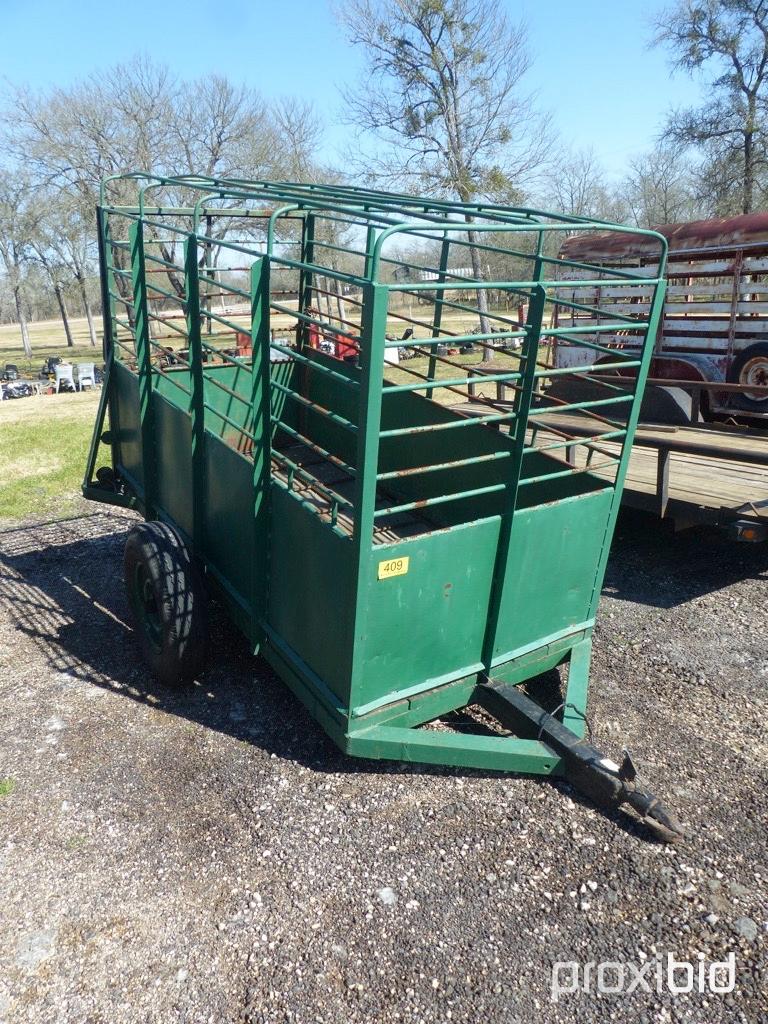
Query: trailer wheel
167, 601
750, 367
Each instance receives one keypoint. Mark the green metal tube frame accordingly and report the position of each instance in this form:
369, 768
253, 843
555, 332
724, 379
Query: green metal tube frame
390, 729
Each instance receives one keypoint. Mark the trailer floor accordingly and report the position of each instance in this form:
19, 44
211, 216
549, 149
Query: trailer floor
702, 488
336, 479
206, 856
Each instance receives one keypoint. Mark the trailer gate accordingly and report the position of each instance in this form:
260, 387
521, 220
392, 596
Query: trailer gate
303, 429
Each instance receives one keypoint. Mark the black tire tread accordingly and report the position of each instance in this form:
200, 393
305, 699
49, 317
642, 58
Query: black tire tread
180, 597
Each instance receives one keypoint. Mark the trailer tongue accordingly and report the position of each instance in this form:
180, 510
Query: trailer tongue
394, 557
609, 785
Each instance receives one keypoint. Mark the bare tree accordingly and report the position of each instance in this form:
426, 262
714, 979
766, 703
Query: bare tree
139, 116
659, 188
730, 38
112, 122
44, 257
576, 185
299, 131
74, 244
64, 247
443, 93
44, 250
16, 229
215, 128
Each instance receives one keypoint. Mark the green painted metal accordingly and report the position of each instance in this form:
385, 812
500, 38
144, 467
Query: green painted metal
437, 320
575, 701
386, 552
465, 750
522, 408
262, 431
149, 435
197, 381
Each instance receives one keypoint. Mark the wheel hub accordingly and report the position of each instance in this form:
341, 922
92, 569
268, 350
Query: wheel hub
755, 373
146, 605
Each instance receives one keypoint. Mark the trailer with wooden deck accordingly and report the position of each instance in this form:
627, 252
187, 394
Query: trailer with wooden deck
701, 451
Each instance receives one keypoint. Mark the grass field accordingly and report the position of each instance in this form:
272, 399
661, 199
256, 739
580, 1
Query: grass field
48, 339
44, 440
43, 447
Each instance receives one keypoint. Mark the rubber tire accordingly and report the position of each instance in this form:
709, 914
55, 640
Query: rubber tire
741, 402
167, 601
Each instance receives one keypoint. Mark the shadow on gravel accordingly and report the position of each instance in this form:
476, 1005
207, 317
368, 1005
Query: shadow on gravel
651, 564
61, 588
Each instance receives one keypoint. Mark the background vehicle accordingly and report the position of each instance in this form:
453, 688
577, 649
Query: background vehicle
714, 326
700, 453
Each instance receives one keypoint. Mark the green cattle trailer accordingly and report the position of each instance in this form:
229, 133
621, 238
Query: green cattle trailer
299, 401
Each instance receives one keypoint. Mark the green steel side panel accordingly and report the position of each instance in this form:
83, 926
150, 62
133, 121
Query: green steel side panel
169, 385
311, 590
227, 515
429, 704
330, 394
424, 707
125, 426
173, 461
550, 574
236, 378
142, 336
427, 626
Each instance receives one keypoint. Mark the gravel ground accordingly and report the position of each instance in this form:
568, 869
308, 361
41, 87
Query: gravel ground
210, 856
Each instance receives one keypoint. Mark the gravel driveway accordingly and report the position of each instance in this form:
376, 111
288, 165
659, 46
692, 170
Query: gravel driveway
208, 855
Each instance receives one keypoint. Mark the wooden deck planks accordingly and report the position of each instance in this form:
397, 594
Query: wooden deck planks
697, 480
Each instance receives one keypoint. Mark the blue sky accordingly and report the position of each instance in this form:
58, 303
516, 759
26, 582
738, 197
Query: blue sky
593, 68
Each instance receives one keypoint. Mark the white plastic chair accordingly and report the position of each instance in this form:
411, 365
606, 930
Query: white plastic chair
64, 375
86, 374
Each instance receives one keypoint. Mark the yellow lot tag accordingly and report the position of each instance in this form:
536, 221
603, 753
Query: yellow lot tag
394, 567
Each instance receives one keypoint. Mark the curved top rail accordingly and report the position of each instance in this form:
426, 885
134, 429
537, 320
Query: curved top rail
384, 214
314, 195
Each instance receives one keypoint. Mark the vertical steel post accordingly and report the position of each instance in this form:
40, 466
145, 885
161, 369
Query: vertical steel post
144, 361
107, 280
445, 249
262, 448
197, 388
373, 339
521, 407
574, 711
370, 244
306, 282
305, 277
374, 323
